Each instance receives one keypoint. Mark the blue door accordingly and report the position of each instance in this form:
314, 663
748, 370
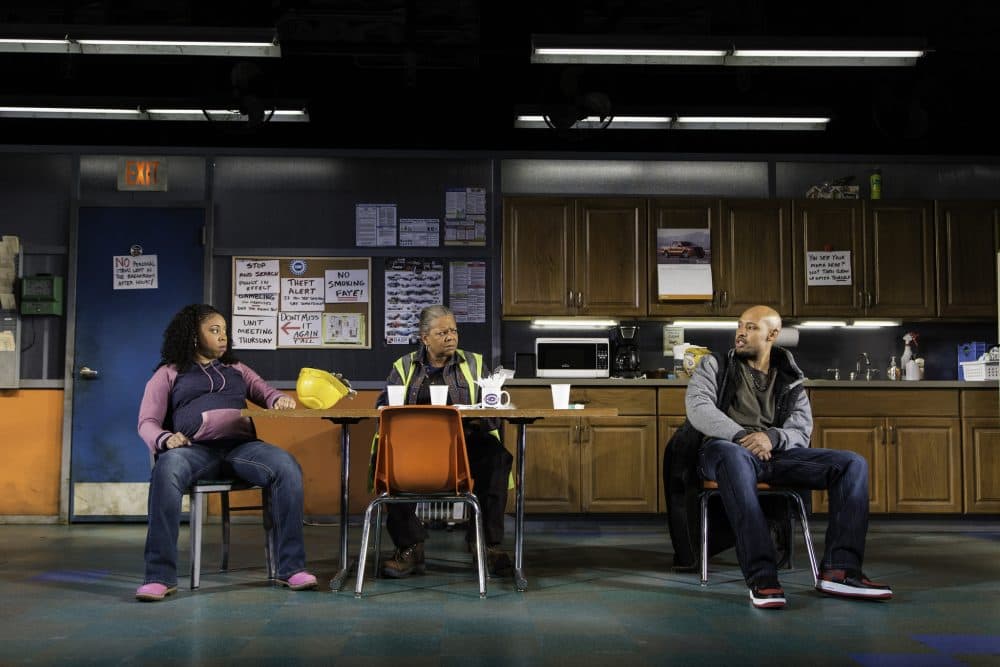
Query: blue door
117, 343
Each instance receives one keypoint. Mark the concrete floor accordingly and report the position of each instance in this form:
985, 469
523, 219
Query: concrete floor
600, 592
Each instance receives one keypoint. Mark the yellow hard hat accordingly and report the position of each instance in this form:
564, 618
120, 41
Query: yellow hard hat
319, 389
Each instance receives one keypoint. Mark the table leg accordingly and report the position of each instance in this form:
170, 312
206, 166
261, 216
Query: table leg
345, 458
519, 580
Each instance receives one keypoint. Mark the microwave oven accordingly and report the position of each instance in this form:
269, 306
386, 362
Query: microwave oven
572, 357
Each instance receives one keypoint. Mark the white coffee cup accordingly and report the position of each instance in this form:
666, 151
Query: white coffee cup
397, 394
560, 396
439, 394
495, 397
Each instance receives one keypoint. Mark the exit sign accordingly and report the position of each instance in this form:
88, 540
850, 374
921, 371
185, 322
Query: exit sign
142, 173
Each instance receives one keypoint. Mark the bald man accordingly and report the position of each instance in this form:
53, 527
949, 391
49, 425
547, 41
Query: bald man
756, 422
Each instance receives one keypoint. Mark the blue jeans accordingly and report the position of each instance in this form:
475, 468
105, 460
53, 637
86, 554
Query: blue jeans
843, 474
254, 461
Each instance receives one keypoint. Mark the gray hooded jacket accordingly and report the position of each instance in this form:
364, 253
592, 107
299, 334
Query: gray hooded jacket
792, 410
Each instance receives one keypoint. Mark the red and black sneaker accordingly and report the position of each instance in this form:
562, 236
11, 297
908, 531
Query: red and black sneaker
767, 597
852, 584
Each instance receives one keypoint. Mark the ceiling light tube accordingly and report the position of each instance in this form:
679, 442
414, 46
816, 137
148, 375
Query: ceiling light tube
874, 324
595, 122
820, 324
575, 323
750, 123
705, 324
95, 113
70, 112
824, 57
89, 45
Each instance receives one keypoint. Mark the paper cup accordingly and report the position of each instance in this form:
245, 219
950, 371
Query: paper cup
397, 394
439, 394
560, 396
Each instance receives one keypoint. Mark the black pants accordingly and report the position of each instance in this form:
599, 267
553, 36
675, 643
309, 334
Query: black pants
490, 466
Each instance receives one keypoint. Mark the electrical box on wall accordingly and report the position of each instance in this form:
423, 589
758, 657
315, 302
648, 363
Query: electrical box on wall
42, 295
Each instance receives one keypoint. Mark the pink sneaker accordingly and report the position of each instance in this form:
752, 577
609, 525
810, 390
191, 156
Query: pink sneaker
153, 592
300, 581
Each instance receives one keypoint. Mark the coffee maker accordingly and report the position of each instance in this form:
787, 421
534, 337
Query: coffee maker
626, 339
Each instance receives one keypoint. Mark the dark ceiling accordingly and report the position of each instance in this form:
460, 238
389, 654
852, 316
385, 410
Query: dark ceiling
448, 74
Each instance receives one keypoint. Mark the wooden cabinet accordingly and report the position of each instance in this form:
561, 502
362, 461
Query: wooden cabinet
981, 451
574, 256
671, 411
754, 255
899, 260
914, 456
682, 214
968, 237
828, 225
891, 248
589, 464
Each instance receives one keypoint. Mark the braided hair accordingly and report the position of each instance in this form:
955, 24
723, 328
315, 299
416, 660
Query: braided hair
177, 349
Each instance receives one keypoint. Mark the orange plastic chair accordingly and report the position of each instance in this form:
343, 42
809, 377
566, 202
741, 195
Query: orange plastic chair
710, 488
421, 458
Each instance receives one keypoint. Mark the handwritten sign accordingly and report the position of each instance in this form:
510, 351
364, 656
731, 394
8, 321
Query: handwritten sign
347, 286
828, 267
300, 329
256, 276
135, 272
302, 294
255, 333
253, 304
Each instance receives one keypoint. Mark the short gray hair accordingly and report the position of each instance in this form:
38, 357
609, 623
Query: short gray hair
431, 313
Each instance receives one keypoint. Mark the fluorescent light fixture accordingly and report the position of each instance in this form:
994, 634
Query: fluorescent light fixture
574, 323
110, 113
595, 122
874, 324
706, 324
89, 45
732, 51
635, 122
824, 57
750, 123
820, 324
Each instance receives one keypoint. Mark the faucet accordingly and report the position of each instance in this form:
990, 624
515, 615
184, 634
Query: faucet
869, 372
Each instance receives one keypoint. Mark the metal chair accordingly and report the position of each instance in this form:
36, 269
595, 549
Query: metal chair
710, 488
421, 457
223, 487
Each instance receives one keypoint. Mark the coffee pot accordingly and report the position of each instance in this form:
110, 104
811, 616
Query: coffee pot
627, 351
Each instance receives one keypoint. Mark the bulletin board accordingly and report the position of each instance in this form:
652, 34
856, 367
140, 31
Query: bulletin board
301, 303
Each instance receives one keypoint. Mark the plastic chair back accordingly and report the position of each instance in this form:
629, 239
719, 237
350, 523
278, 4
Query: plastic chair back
421, 449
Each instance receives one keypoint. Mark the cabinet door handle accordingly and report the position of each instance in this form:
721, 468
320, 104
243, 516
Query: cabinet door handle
880, 434
579, 299
861, 299
868, 299
892, 434
569, 298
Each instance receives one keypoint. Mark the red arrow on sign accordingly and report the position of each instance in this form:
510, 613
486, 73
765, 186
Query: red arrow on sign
288, 325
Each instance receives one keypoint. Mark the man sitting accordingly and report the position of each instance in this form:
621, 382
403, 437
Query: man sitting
756, 421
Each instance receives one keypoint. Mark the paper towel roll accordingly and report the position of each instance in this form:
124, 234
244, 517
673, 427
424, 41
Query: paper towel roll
787, 338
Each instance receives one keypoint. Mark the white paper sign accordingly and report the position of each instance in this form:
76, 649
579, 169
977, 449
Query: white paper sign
135, 272
828, 267
302, 294
255, 333
684, 282
298, 329
347, 328
256, 276
254, 304
347, 286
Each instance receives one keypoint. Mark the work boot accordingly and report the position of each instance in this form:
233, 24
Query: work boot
405, 561
498, 563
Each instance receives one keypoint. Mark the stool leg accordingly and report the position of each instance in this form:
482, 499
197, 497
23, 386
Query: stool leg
197, 502
704, 538
363, 552
378, 541
224, 497
269, 550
